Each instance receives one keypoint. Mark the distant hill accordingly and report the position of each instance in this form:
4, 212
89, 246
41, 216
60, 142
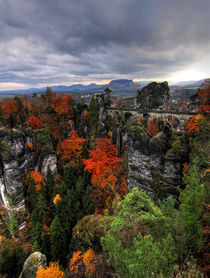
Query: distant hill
122, 83
114, 84
189, 83
59, 88
206, 82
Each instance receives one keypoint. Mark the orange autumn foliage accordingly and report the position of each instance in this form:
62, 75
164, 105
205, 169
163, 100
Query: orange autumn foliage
193, 124
152, 127
83, 264
52, 271
88, 259
185, 169
37, 178
139, 121
34, 122
110, 134
9, 106
30, 145
57, 198
74, 265
71, 148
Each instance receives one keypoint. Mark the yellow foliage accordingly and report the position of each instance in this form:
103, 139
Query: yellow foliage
138, 121
110, 134
57, 198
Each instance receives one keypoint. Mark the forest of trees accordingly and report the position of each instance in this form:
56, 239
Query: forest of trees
146, 238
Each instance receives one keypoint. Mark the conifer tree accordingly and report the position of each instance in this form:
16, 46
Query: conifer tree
50, 185
57, 241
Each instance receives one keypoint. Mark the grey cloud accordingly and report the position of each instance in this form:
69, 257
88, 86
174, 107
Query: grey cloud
59, 41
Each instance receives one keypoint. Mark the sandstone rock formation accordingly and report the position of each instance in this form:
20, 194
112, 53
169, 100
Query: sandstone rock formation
16, 158
153, 96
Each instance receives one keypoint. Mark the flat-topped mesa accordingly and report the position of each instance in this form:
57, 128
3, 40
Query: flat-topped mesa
153, 96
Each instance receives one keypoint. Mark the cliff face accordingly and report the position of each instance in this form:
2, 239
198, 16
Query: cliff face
155, 163
16, 158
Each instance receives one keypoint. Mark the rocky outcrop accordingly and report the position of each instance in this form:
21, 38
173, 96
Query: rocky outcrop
32, 264
155, 163
87, 233
153, 96
104, 101
17, 156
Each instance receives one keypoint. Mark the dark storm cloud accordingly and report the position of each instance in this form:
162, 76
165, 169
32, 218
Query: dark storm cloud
44, 41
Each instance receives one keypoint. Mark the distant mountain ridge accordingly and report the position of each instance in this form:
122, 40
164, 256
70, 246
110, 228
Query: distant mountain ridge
119, 83
114, 84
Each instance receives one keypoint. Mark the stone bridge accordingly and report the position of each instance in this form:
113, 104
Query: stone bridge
180, 117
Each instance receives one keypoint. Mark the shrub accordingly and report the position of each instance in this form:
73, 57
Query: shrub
12, 257
139, 242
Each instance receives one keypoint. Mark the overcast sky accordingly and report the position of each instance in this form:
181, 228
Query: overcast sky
47, 42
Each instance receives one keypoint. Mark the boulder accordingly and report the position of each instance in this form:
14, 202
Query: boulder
32, 264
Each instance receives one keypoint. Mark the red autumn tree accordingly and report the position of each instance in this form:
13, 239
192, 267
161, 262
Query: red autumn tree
204, 95
71, 148
102, 157
103, 163
152, 127
34, 122
62, 104
9, 106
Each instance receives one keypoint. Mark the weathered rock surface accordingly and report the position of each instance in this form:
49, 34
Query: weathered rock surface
104, 101
153, 165
32, 264
16, 158
153, 96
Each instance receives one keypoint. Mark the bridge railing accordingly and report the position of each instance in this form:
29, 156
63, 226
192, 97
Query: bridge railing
152, 111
